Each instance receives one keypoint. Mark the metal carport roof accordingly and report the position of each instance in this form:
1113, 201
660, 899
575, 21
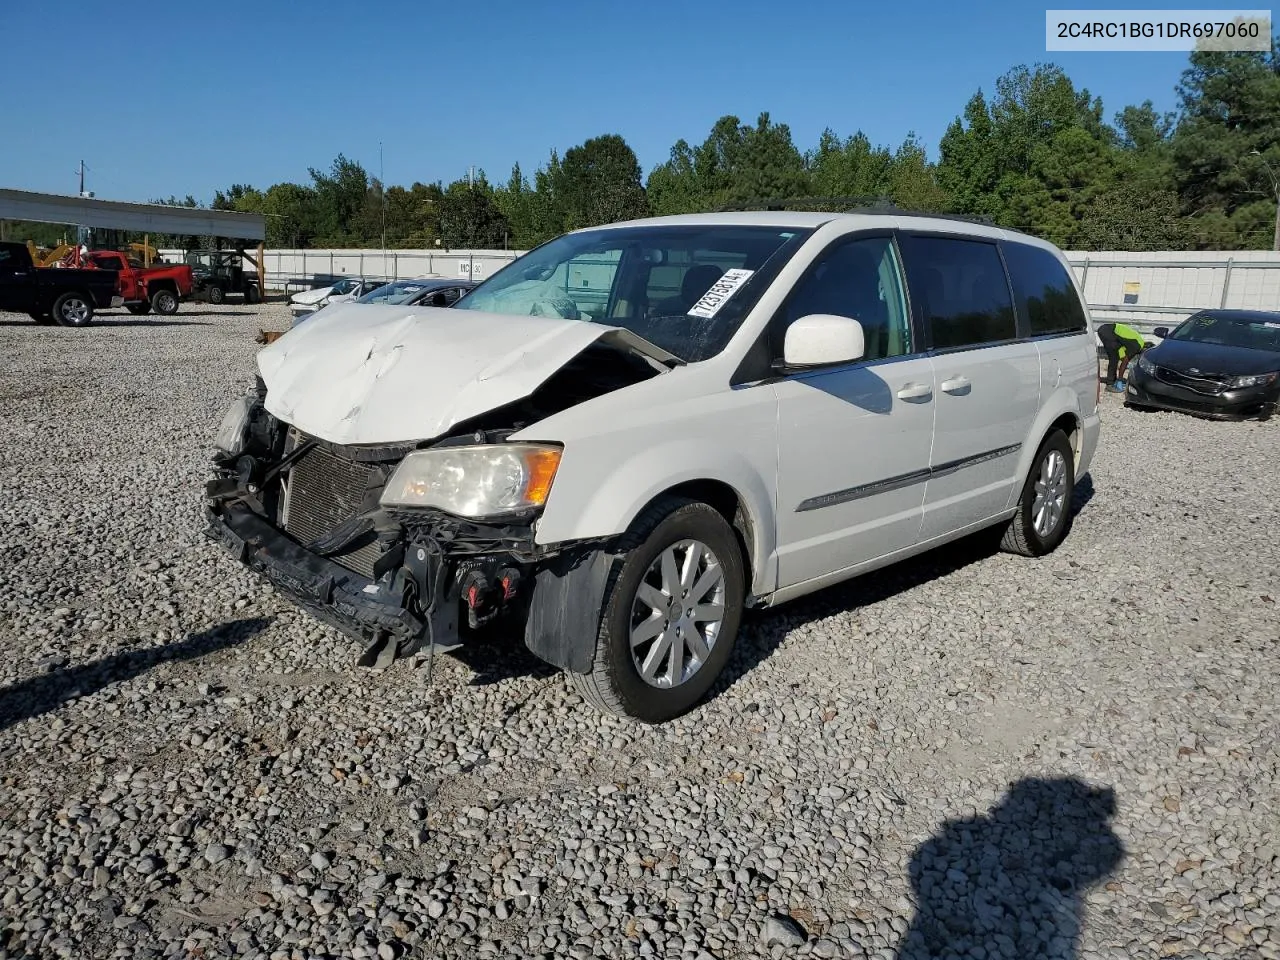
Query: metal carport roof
137, 217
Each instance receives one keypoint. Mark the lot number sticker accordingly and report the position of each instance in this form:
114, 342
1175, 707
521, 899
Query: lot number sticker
719, 294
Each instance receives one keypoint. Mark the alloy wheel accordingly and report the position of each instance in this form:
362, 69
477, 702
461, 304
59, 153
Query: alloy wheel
75, 310
1051, 495
677, 613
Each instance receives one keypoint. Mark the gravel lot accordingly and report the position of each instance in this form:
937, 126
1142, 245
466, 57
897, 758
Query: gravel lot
1076, 756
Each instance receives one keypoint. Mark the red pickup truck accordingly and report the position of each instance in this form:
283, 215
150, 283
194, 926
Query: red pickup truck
145, 289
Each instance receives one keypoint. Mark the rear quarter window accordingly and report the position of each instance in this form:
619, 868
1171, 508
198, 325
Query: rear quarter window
962, 291
1043, 291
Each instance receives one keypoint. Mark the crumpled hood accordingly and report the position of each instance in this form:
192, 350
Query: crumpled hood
311, 296
370, 374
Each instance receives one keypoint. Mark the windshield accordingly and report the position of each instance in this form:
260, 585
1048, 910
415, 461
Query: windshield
1254, 333
686, 289
341, 287
399, 291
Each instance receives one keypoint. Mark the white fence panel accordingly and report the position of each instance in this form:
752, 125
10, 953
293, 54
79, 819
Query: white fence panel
1145, 289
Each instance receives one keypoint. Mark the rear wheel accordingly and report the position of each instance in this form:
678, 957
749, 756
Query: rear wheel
1044, 509
215, 293
73, 310
251, 294
138, 309
165, 302
671, 614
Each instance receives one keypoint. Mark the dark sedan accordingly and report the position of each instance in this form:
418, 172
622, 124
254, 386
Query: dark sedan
1218, 363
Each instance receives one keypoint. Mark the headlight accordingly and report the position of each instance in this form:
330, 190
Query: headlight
1145, 364
1258, 380
475, 481
231, 433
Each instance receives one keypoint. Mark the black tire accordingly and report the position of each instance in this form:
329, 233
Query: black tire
73, 310
214, 293
1021, 536
251, 293
41, 318
164, 302
614, 683
138, 309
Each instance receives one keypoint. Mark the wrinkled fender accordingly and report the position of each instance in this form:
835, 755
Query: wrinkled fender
589, 503
1062, 400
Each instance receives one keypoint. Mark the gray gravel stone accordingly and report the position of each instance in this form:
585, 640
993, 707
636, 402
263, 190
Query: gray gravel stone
188, 761
785, 930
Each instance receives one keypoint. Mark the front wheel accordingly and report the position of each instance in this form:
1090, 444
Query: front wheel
165, 302
73, 310
671, 614
1044, 509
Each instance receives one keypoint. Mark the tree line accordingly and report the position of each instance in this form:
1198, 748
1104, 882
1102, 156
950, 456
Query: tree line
1035, 153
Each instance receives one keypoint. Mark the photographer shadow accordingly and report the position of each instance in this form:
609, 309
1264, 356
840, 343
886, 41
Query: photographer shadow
1012, 883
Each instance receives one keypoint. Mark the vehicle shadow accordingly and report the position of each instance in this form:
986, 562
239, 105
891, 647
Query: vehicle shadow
1012, 883
42, 694
143, 322
763, 632
1082, 495
109, 321
499, 653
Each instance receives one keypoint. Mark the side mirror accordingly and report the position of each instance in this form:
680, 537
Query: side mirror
823, 338
1161, 332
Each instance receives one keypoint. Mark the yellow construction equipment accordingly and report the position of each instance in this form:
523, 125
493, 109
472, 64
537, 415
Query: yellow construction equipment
49, 257
144, 252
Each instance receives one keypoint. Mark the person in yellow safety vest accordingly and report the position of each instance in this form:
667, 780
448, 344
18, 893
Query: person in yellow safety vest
1122, 343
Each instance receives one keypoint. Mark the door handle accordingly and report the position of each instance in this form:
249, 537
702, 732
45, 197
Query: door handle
956, 385
915, 391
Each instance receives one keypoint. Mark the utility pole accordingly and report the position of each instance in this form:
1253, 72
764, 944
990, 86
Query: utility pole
471, 254
382, 195
82, 233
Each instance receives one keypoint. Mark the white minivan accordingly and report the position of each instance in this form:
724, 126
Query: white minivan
634, 433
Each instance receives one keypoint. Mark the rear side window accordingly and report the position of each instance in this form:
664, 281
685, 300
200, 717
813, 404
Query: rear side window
1043, 289
962, 290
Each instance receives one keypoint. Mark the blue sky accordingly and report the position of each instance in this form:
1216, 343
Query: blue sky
488, 83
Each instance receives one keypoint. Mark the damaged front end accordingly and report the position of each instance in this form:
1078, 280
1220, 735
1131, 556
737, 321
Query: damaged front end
337, 528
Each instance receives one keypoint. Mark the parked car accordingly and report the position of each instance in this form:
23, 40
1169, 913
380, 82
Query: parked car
633, 434
344, 291
429, 291
434, 292
50, 295
1223, 364
145, 289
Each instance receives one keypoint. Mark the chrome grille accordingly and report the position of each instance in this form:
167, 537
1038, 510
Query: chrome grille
322, 492
1206, 384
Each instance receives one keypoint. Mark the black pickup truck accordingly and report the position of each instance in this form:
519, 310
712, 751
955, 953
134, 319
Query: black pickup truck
53, 294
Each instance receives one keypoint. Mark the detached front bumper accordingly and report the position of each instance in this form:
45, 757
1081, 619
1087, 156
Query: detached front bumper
1145, 390
359, 607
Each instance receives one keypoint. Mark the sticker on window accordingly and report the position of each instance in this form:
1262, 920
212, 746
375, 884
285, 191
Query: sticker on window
719, 294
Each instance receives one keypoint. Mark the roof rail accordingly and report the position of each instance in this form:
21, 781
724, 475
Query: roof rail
890, 210
883, 206
832, 205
